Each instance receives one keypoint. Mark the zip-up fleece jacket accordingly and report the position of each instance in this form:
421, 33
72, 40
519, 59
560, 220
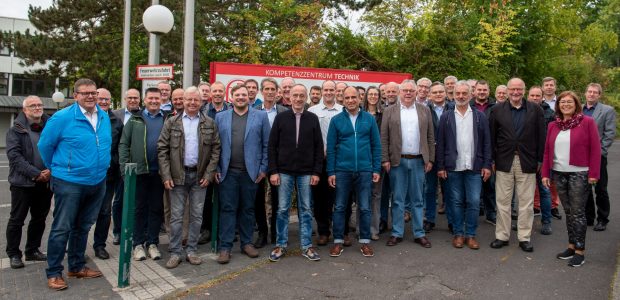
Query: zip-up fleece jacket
132, 147
353, 149
72, 150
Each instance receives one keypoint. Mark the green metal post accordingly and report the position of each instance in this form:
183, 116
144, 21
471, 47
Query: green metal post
215, 213
129, 203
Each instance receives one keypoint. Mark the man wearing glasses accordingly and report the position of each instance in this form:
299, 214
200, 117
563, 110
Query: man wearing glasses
75, 145
29, 180
113, 176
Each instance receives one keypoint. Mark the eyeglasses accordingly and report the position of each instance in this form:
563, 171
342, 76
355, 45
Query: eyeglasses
407, 91
35, 106
104, 99
86, 94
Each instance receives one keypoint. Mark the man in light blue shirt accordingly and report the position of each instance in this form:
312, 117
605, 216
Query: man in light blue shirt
188, 152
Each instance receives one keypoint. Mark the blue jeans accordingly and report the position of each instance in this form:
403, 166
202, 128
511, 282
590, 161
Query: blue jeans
237, 194
149, 209
361, 184
465, 197
196, 195
102, 227
545, 200
430, 195
117, 207
76, 207
304, 209
407, 181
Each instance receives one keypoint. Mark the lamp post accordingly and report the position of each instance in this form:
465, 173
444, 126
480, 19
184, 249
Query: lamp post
58, 97
158, 20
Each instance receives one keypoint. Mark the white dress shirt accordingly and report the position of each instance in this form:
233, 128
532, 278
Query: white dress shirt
325, 115
91, 117
464, 139
410, 130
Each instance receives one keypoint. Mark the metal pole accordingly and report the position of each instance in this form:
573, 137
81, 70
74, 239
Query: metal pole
188, 44
126, 33
129, 202
154, 44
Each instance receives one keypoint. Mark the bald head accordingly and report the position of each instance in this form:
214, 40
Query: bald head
391, 92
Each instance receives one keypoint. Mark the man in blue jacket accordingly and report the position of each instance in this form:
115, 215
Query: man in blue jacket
244, 136
75, 145
464, 159
353, 164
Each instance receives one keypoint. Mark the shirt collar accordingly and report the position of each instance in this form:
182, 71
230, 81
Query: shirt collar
404, 107
84, 111
185, 115
146, 113
336, 106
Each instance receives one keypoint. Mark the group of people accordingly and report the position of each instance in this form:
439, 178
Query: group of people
388, 149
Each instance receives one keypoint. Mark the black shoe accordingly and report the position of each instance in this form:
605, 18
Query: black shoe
567, 254
36, 256
261, 240
16, 262
526, 246
555, 212
102, 253
536, 211
496, 244
577, 260
382, 227
428, 226
116, 240
205, 237
600, 226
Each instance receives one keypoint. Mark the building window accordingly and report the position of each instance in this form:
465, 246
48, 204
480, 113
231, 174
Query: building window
4, 83
25, 85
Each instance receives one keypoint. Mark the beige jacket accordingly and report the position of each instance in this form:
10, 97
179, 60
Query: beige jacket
391, 135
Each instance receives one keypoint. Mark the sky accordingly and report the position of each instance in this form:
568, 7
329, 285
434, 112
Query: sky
19, 8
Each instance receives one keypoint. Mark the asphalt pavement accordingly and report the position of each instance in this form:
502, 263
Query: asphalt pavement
406, 271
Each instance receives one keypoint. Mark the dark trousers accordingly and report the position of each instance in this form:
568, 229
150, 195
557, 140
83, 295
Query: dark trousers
260, 210
572, 188
386, 196
488, 198
102, 227
117, 206
602, 198
149, 209
207, 210
324, 197
35, 199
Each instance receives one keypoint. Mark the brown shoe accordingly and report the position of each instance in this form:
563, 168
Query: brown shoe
56, 283
322, 240
336, 250
472, 243
367, 251
85, 273
224, 257
423, 241
458, 241
250, 251
407, 217
347, 241
392, 241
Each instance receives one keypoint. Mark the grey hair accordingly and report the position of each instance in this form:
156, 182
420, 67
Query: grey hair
449, 78
407, 81
463, 83
191, 90
424, 79
30, 98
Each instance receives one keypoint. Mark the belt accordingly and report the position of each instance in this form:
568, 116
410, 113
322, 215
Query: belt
191, 169
411, 156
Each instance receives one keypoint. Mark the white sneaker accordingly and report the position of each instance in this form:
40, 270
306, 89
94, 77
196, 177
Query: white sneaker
138, 253
154, 252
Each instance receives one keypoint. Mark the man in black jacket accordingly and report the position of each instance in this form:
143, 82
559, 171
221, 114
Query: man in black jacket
295, 160
29, 180
517, 138
104, 99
